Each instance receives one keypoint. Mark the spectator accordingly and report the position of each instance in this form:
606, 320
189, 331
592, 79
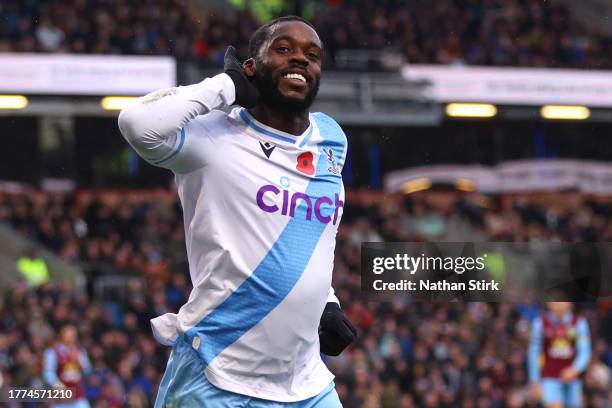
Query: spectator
65, 364
33, 268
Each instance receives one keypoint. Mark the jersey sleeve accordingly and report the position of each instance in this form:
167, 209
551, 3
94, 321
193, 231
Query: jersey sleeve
338, 142
583, 345
49, 367
331, 296
535, 350
84, 361
161, 126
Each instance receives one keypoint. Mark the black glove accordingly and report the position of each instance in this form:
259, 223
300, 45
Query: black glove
246, 93
336, 331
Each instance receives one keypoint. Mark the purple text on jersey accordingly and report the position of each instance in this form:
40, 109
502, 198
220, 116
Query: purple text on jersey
290, 203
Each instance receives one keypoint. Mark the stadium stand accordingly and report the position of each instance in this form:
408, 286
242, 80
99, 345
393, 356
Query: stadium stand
130, 244
472, 32
421, 354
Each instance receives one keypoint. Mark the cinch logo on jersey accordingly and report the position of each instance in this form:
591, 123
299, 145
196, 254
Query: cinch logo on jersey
290, 202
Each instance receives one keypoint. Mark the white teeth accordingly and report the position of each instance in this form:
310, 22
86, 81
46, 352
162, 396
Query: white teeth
295, 76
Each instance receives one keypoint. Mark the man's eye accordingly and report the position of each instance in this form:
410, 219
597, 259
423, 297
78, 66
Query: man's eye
282, 49
313, 56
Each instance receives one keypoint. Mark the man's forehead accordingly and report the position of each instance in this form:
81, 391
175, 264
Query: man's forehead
296, 30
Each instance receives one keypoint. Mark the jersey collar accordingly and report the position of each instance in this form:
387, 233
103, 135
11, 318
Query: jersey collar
276, 134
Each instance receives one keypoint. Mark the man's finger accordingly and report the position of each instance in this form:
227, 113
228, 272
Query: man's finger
344, 331
231, 52
352, 328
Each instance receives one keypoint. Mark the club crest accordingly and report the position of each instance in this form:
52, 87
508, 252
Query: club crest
332, 168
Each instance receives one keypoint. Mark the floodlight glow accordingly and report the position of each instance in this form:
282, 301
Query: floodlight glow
465, 185
565, 112
471, 110
415, 185
13, 101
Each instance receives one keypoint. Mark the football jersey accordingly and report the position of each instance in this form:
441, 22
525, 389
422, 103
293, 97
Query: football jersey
66, 364
69, 368
557, 344
261, 210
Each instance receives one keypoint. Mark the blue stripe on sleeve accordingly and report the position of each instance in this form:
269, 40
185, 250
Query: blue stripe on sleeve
175, 152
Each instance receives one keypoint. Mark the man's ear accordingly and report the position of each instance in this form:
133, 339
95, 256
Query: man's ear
248, 67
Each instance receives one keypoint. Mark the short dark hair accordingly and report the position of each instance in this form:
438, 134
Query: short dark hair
262, 33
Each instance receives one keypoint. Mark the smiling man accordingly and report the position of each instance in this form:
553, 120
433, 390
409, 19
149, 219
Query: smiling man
262, 198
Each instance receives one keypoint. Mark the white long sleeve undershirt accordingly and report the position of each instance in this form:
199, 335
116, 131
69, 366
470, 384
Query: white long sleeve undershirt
152, 123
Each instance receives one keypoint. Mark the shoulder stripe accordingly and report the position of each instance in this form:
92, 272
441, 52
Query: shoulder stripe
255, 126
307, 137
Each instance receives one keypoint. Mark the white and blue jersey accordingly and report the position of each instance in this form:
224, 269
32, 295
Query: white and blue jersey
261, 211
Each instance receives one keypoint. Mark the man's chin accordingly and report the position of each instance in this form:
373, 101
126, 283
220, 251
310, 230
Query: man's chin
292, 104
293, 100
291, 95
283, 97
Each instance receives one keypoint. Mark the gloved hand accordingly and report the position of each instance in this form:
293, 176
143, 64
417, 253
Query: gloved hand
336, 331
246, 93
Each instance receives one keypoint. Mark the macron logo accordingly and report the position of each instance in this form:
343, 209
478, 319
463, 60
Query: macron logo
290, 202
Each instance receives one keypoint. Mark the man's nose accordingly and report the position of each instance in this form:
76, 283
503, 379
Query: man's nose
299, 57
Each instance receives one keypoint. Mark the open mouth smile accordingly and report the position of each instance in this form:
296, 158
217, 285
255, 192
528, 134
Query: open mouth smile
294, 76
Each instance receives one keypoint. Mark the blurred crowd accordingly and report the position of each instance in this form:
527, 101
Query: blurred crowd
407, 354
474, 32
152, 27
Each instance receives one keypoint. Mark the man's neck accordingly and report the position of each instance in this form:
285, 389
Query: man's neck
294, 124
